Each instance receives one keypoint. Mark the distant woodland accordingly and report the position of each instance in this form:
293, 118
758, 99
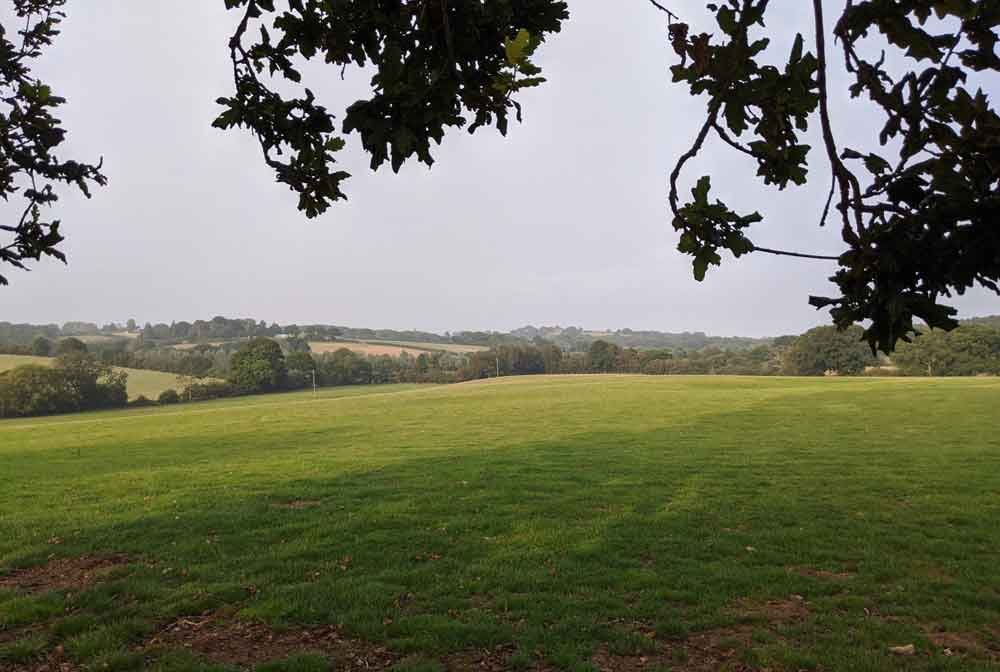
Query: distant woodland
80, 366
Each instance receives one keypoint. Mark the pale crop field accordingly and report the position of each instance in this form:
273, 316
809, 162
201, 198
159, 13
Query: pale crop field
8, 362
444, 347
368, 349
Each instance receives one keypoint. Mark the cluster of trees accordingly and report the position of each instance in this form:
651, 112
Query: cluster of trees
76, 382
826, 350
605, 357
44, 347
970, 350
13, 335
575, 339
221, 328
820, 351
216, 329
262, 366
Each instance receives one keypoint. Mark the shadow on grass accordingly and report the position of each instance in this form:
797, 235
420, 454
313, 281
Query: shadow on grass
559, 548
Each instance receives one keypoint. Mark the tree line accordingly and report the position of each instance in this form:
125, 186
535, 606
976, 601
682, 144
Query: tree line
89, 377
219, 329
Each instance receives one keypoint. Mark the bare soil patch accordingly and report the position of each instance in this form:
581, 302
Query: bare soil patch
486, 660
706, 651
710, 650
222, 638
774, 611
965, 642
822, 574
298, 504
63, 573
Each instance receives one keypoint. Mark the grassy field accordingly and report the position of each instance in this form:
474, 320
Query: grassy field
12, 361
140, 382
543, 523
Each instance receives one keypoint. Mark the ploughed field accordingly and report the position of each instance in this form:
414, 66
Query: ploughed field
538, 523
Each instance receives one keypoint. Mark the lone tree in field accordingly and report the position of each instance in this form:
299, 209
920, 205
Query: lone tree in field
918, 219
41, 347
259, 366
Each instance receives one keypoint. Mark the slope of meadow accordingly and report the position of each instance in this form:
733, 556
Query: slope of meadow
577, 523
140, 382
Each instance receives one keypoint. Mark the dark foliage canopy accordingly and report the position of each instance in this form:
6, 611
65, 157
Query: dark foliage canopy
259, 366
29, 136
917, 219
437, 65
828, 349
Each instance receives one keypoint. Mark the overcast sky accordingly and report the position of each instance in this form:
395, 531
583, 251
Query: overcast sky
563, 222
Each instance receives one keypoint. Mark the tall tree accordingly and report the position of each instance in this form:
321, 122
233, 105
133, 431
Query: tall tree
828, 349
916, 226
258, 366
41, 347
917, 219
29, 136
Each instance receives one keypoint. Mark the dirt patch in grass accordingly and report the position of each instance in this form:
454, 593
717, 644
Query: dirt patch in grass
709, 650
298, 504
222, 638
964, 642
73, 574
822, 574
774, 611
706, 651
486, 660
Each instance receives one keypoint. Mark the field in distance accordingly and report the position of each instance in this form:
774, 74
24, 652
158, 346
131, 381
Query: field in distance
446, 347
391, 348
548, 523
373, 348
144, 383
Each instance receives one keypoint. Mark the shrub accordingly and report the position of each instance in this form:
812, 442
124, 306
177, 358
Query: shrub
70, 345
95, 385
141, 402
41, 347
35, 390
169, 397
206, 391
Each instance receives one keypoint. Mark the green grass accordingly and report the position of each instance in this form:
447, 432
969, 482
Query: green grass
140, 382
150, 384
557, 517
8, 362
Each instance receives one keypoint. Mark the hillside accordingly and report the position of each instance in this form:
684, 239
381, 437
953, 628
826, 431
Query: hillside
986, 321
140, 382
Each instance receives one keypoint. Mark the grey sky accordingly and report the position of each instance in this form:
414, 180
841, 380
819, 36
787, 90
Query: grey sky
563, 222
